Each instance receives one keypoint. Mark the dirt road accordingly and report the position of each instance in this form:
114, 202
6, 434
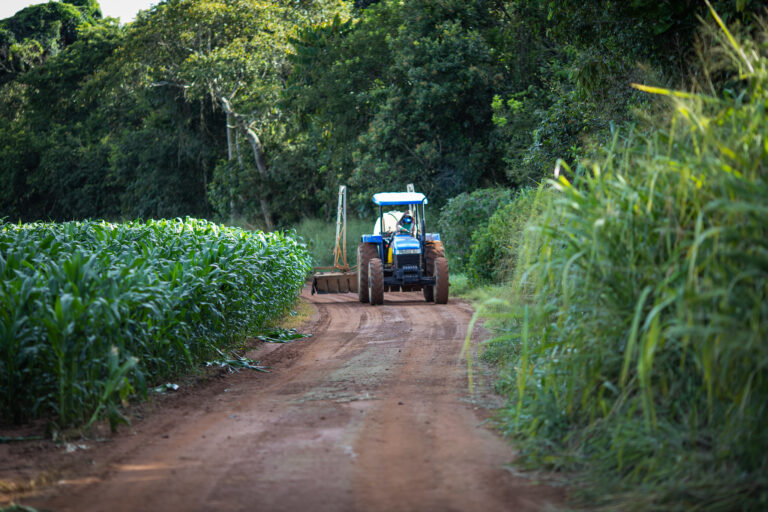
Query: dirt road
370, 414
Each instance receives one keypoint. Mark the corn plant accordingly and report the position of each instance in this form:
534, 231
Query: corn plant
91, 311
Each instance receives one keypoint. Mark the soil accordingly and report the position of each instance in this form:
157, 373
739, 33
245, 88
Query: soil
372, 413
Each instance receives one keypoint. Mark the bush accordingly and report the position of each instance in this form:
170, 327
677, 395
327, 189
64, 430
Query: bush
493, 254
637, 341
91, 311
464, 214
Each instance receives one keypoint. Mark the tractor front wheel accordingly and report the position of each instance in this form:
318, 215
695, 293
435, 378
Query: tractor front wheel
432, 251
441, 281
365, 253
375, 281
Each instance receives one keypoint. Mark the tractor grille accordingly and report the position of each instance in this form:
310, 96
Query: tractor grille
408, 260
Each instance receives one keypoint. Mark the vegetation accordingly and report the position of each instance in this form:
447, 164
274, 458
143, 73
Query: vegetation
464, 214
91, 311
494, 245
99, 120
631, 330
635, 339
319, 235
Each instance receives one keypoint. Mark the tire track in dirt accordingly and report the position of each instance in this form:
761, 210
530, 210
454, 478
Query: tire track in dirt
370, 414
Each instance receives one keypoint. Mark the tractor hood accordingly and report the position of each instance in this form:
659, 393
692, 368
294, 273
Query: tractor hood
405, 244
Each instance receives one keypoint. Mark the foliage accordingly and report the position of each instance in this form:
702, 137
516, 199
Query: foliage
515, 120
493, 254
39, 31
641, 28
636, 339
108, 127
415, 107
463, 215
575, 63
91, 311
280, 335
82, 142
328, 105
234, 52
432, 111
99, 120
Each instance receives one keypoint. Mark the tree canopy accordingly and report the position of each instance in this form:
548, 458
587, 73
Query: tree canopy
256, 110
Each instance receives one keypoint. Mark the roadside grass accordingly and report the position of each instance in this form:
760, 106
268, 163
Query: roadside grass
301, 312
633, 345
319, 235
477, 293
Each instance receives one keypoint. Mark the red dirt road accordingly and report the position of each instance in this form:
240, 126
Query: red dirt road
370, 414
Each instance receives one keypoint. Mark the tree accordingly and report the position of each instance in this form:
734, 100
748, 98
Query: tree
54, 166
402, 95
235, 52
39, 31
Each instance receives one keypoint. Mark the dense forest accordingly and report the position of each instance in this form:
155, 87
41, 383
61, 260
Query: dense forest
602, 163
258, 110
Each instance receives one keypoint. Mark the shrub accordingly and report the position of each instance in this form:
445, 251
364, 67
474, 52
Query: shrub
91, 311
493, 254
462, 215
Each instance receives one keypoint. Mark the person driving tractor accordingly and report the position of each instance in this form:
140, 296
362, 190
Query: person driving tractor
405, 225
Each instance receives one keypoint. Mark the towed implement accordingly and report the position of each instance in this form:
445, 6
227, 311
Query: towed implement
339, 278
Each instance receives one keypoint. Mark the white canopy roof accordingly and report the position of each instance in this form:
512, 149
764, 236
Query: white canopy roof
392, 198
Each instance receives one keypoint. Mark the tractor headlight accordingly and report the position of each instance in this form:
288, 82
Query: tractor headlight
409, 251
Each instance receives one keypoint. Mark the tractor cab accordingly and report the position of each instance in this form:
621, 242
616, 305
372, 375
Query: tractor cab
401, 242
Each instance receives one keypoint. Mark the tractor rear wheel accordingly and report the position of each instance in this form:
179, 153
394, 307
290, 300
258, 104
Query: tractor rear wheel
441, 281
432, 251
376, 281
365, 253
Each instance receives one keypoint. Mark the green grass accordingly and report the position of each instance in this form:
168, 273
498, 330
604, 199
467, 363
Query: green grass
91, 312
633, 343
476, 292
320, 235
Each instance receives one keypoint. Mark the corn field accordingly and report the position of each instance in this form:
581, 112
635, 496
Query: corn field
92, 312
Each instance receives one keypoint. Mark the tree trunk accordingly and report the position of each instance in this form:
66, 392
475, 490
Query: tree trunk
230, 156
258, 153
230, 125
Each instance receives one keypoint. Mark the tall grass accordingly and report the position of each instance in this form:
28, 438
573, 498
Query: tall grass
320, 236
637, 334
90, 311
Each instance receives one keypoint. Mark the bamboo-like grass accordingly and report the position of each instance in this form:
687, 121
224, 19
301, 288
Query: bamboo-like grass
90, 312
637, 339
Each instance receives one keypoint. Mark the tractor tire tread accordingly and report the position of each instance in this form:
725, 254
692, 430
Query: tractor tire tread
376, 282
432, 251
365, 253
441, 281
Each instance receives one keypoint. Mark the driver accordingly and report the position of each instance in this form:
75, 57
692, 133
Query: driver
405, 225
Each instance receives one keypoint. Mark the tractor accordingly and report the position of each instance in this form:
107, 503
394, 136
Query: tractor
400, 255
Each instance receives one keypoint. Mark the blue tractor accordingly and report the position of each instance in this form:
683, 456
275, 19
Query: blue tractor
400, 255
